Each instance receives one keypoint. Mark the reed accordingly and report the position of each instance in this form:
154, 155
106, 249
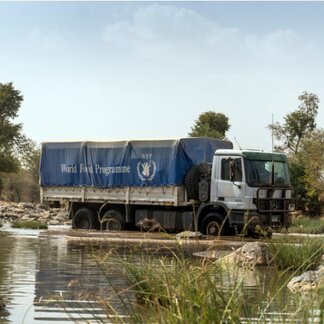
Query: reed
301, 254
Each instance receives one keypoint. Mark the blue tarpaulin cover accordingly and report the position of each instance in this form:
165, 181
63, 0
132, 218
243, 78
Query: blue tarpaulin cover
124, 163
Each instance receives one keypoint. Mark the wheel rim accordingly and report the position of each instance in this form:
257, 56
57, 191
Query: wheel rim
113, 225
213, 228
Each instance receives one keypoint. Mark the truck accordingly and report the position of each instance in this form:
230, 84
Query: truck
200, 184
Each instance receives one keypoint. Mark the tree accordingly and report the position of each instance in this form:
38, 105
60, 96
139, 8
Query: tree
297, 124
11, 138
312, 157
210, 124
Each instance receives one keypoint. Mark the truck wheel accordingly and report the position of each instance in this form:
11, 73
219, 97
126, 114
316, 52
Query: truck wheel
197, 173
113, 220
212, 225
84, 218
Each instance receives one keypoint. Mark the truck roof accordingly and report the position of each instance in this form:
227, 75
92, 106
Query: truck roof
146, 140
254, 154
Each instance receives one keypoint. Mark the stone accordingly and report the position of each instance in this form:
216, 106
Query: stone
185, 235
249, 256
54, 222
307, 281
26, 205
11, 212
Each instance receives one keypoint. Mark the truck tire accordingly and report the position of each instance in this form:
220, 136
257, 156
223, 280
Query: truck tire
197, 173
113, 220
85, 218
212, 225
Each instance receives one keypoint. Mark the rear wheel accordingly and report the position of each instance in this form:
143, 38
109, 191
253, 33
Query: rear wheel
212, 225
85, 218
113, 220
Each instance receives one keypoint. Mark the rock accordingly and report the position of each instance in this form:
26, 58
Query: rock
18, 211
42, 206
249, 256
28, 211
26, 205
307, 281
54, 222
185, 235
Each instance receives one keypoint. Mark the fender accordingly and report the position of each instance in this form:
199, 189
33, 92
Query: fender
208, 206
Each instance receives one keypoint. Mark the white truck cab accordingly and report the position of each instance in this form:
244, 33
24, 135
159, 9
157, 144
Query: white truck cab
247, 189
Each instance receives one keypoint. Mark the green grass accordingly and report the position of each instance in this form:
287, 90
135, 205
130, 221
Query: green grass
299, 254
29, 224
185, 290
307, 225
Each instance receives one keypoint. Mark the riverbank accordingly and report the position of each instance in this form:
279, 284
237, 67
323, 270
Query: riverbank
24, 211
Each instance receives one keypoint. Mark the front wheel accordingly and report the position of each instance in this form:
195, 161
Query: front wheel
213, 225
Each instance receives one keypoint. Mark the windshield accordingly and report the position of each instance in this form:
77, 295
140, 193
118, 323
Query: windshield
265, 173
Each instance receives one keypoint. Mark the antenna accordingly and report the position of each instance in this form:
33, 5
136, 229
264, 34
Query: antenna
238, 143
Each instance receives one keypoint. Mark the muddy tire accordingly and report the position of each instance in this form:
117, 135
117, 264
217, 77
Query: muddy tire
113, 220
212, 225
85, 218
197, 173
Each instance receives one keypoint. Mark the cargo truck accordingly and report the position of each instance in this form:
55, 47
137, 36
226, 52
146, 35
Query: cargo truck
200, 184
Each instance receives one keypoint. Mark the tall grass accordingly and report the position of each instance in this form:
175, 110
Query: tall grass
299, 254
175, 288
307, 225
183, 290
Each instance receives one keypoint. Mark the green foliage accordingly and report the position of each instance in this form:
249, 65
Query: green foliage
10, 136
307, 225
176, 289
297, 124
22, 185
313, 159
19, 157
210, 124
29, 224
183, 291
299, 137
299, 254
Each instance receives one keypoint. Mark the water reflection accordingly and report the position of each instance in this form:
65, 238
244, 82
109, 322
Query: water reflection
46, 277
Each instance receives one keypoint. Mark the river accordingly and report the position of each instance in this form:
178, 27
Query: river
53, 275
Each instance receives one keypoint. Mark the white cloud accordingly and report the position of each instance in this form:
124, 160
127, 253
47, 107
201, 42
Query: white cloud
158, 31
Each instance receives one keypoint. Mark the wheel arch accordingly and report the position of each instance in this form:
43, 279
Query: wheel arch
208, 208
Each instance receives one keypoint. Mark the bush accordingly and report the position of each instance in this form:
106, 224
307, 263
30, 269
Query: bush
29, 224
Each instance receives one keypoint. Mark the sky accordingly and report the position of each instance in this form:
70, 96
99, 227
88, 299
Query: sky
142, 70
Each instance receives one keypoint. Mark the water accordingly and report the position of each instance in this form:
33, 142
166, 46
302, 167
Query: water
45, 278
53, 276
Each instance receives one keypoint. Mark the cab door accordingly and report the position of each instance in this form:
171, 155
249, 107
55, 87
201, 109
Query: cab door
230, 182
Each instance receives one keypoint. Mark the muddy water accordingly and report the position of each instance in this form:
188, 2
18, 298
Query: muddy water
54, 276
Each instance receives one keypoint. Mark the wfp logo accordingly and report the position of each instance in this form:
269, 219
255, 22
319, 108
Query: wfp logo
146, 168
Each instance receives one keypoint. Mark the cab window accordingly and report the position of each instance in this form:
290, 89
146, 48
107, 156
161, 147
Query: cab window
231, 169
